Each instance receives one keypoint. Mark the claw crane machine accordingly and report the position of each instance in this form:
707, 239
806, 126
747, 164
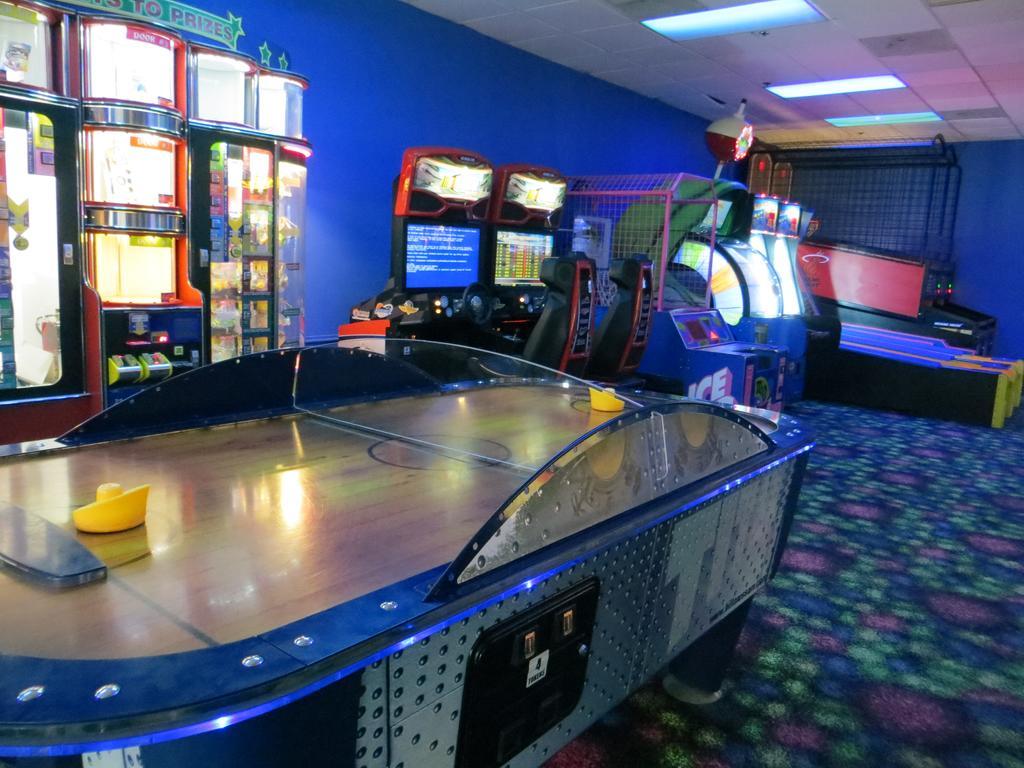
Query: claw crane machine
44, 387
133, 106
248, 167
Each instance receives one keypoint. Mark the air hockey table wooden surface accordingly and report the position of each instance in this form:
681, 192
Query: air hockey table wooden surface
315, 513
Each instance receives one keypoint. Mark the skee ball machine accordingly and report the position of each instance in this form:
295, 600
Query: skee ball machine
248, 191
45, 387
135, 202
754, 283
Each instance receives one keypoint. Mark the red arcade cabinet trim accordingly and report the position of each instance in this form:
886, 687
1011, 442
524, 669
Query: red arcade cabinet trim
581, 325
404, 193
365, 328
499, 194
861, 279
643, 298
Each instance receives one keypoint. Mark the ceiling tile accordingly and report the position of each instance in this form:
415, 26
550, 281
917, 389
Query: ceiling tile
995, 43
1007, 89
622, 38
694, 69
560, 48
653, 9
952, 90
631, 77
768, 68
889, 102
940, 77
943, 104
868, 18
460, 10
828, 106
983, 12
716, 47
992, 128
526, 5
592, 62
993, 73
836, 57
578, 15
669, 53
926, 62
511, 27
909, 44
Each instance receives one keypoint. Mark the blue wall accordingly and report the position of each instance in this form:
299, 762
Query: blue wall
385, 76
989, 239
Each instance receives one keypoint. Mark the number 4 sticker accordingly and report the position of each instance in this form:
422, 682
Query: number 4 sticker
538, 668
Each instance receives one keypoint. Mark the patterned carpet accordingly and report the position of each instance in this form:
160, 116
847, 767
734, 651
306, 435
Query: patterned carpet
894, 632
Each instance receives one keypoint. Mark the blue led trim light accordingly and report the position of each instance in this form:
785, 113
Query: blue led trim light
226, 720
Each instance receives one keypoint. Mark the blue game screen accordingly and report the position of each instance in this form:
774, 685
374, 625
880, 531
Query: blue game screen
441, 256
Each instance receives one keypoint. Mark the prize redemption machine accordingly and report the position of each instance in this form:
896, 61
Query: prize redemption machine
754, 283
704, 342
248, 193
135, 201
44, 385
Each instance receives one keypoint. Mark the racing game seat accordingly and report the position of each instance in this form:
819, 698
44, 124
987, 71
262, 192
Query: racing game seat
562, 337
621, 338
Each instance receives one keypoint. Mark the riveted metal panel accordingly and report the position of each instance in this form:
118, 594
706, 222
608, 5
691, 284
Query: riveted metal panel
659, 592
372, 721
428, 738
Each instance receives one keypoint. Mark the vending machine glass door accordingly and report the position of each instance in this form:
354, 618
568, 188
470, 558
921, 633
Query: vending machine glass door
241, 252
280, 105
25, 52
129, 63
133, 269
291, 246
30, 302
131, 168
224, 89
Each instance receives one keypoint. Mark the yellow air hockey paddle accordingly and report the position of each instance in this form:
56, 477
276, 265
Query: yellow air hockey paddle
605, 400
114, 509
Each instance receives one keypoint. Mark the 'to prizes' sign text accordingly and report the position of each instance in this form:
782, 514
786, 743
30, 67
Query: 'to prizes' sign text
174, 14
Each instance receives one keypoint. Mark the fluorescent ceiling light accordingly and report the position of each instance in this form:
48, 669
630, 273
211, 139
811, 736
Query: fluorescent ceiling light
830, 87
892, 119
751, 17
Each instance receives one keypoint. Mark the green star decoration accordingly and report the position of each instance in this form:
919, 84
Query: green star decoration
235, 27
282, 61
265, 54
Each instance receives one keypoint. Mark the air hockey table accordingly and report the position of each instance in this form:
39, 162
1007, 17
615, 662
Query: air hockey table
377, 553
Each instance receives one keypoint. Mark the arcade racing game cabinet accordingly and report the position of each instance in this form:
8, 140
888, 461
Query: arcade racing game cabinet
459, 275
441, 198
